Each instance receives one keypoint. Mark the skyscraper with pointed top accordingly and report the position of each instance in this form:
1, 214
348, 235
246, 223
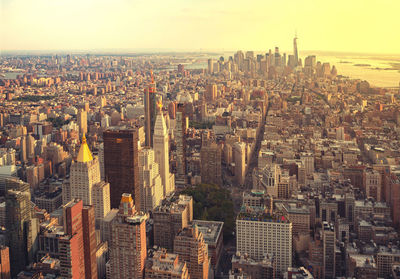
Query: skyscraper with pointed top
295, 52
85, 172
161, 150
150, 109
85, 182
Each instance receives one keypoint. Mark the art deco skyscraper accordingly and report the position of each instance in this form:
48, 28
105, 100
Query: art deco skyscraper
128, 242
161, 150
85, 172
150, 109
151, 188
85, 182
121, 164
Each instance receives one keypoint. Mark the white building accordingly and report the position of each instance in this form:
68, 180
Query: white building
85, 182
259, 233
161, 151
151, 188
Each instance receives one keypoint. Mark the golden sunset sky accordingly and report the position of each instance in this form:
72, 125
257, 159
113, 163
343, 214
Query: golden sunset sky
369, 26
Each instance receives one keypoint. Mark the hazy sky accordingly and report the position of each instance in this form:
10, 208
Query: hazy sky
336, 25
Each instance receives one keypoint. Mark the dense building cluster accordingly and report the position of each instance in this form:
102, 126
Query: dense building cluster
97, 153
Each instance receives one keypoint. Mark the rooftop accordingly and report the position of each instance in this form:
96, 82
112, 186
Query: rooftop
211, 230
254, 213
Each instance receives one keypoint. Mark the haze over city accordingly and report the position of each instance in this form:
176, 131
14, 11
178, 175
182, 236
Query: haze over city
366, 26
199, 139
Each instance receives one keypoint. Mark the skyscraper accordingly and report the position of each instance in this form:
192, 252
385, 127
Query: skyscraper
171, 217
295, 52
85, 182
180, 137
190, 246
121, 164
211, 92
85, 172
89, 241
151, 188
30, 147
150, 109
5, 262
21, 227
210, 66
210, 156
257, 235
71, 247
82, 121
23, 151
128, 241
240, 162
328, 238
161, 150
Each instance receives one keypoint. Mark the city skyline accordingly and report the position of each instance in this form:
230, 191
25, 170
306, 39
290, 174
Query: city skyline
358, 26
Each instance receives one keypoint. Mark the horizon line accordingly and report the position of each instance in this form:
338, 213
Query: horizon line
143, 51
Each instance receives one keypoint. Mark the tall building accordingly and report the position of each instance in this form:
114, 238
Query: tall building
85, 182
150, 109
171, 217
85, 172
191, 248
259, 233
89, 241
161, 156
121, 164
23, 152
22, 228
5, 262
180, 138
30, 147
329, 243
101, 160
151, 189
210, 66
71, 246
128, 241
211, 92
295, 52
240, 162
373, 184
82, 121
161, 264
101, 199
308, 161
210, 156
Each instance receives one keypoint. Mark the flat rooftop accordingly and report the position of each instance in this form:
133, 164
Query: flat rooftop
211, 230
